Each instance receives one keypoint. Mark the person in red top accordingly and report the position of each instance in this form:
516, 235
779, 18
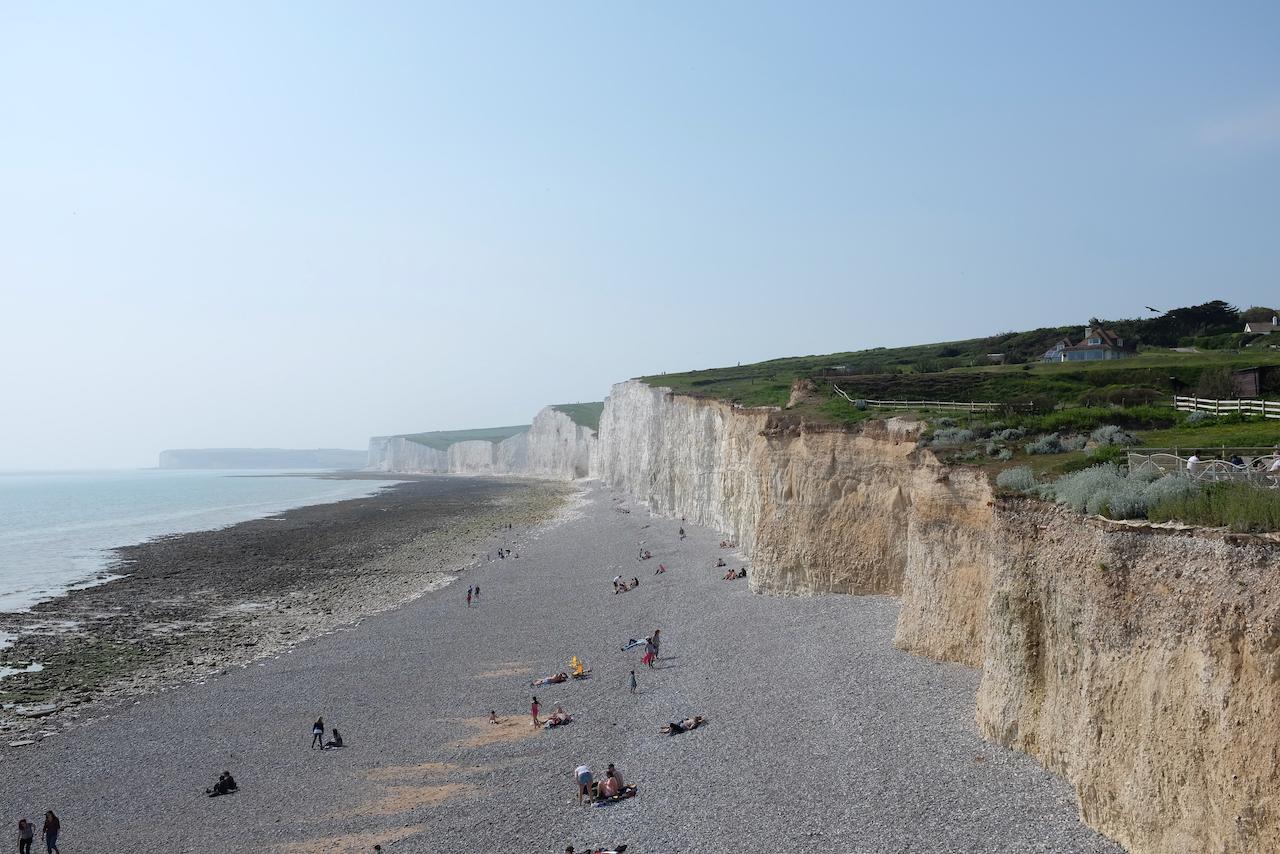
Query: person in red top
533, 709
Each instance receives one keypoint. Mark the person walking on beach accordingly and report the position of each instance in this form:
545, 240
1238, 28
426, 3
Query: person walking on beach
654, 641
49, 833
469, 597
477, 594
633, 681
533, 710
682, 533
317, 734
26, 833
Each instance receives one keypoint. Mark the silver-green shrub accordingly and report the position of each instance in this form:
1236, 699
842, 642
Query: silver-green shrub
950, 436
1112, 434
1198, 417
1019, 479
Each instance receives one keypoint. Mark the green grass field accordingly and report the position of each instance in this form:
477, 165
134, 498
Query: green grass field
442, 439
584, 414
1151, 373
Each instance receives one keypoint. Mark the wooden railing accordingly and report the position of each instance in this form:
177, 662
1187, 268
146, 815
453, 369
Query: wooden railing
1265, 408
945, 405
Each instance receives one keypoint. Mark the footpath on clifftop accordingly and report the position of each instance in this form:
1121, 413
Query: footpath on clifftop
821, 736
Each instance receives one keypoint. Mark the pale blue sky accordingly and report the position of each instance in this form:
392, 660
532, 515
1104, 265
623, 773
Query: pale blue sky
300, 224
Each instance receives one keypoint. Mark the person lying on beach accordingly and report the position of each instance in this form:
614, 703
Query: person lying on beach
590, 850
226, 785
334, 743
720, 562
550, 680
607, 791
633, 643
661, 569
729, 575
685, 725
558, 718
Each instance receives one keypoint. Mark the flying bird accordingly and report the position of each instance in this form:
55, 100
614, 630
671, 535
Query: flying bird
1156, 310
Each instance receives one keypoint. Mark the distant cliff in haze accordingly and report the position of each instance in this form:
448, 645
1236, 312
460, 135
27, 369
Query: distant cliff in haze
261, 458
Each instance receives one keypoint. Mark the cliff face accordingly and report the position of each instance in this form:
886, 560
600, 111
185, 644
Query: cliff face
553, 448
1143, 666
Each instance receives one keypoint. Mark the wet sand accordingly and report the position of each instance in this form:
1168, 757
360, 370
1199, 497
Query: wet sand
191, 605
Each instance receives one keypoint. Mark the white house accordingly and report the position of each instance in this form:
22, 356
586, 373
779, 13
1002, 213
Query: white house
1262, 327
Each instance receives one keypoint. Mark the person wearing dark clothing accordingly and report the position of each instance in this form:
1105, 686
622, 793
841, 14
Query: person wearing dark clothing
226, 785
317, 734
52, 827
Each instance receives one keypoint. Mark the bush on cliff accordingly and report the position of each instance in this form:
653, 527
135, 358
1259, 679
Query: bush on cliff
1239, 506
1105, 490
1019, 479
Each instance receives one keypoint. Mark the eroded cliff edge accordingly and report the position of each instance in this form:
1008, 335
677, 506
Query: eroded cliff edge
1141, 663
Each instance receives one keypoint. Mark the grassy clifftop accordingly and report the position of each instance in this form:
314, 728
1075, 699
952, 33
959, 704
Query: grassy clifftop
442, 439
583, 414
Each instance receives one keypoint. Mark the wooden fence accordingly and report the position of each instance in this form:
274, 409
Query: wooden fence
945, 405
1265, 408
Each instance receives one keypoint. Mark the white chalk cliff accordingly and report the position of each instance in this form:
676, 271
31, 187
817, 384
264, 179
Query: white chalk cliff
554, 448
1141, 663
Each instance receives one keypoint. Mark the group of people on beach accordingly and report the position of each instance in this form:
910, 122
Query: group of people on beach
621, 585
317, 737
48, 834
473, 592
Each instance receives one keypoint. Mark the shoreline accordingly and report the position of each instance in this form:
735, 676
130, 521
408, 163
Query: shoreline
185, 607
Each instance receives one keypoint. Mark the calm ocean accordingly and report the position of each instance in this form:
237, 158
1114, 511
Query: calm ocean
56, 528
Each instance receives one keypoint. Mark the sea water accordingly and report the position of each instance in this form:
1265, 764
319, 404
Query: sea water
57, 529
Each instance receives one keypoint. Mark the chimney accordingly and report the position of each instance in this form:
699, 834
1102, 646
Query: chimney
1275, 321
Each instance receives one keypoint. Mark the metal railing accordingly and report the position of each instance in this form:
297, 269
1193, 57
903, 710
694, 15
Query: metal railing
1265, 408
1254, 468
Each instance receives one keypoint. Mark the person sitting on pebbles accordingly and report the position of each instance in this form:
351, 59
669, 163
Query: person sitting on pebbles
684, 725
334, 743
590, 850
558, 718
226, 785
493, 716
550, 680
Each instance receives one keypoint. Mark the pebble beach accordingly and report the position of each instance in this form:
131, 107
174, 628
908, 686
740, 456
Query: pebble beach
820, 735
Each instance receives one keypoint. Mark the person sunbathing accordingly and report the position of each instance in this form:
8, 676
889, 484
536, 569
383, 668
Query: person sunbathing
550, 680
558, 718
720, 562
730, 575
633, 643
685, 725
589, 850
661, 569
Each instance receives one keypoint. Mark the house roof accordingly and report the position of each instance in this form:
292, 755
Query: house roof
1259, 326
1110, 341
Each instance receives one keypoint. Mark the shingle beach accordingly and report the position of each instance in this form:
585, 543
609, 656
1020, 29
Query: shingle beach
821, 736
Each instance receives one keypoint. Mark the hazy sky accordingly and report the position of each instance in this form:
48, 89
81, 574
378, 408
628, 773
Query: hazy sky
300, 224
